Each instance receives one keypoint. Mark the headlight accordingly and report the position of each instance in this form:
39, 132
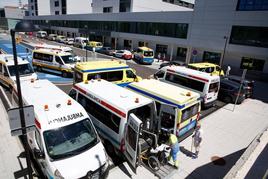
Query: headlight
58, 175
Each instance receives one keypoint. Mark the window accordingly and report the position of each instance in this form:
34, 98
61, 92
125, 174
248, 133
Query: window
251, 36
252, 63
131, 137
189, 112
167, 120
100, 113
148, 53
187, 82
56, 3
72, 94
252, 5
57, 12
78, 77
109, 76
213, 87
130, 74
212, 57
32, 7
159, 74
1, 66
181, 53
124, 5
43, 57
158, 106
58, 60
141, 44
107, 9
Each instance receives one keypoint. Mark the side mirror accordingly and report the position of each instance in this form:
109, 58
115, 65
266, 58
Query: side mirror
38, 154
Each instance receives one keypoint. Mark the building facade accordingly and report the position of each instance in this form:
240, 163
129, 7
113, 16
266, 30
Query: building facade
230, 32
10, 15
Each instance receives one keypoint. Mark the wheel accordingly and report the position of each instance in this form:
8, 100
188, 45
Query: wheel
227, 99
64, 74
153, 163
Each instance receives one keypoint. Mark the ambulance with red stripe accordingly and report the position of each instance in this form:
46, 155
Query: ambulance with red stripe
124, 119
203, 83
65, 143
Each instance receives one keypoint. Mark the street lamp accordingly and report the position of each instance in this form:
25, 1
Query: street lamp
86, 28
226, 40
22, 26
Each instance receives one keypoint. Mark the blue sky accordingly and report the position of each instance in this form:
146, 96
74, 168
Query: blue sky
12, 2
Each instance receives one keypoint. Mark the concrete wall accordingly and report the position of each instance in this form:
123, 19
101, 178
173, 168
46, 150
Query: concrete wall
43, 7
79, 6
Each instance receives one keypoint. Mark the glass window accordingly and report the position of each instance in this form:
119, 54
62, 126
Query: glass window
100, 113
56, 3
107, 9
39, 141
159, 74
212, 57
131, 137
24, 69
167, 120
252, 5
181, 53
73, 94
130, 74
78, 77
213, 87
143, 113
189, 112
1, 66
184, 81
43, 57
58, 60
70, 140
252, 63
148, 53
251, 36
68, 59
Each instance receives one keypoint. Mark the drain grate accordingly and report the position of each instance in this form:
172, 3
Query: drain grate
216, 160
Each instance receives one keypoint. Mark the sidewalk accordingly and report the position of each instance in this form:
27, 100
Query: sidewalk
10, 149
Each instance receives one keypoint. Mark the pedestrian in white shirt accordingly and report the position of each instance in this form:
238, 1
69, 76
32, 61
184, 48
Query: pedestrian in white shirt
197, 139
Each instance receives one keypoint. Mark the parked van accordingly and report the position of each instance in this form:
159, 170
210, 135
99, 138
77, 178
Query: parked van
41, 34
124, 119
8, 70
80, 42
52, 37
93, 44
144, 55
54, 61
210, 68
65, 143
60, 38
203, 83
112, 70
177, 108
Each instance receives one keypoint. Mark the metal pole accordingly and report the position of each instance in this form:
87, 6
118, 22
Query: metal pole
23, 126
226, 38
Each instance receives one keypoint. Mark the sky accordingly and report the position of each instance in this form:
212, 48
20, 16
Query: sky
11, 2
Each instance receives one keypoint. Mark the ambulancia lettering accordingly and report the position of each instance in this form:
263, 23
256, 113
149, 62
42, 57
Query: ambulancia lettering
67, 118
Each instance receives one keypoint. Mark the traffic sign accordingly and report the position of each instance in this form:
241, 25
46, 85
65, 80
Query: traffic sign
15, 120
194, 52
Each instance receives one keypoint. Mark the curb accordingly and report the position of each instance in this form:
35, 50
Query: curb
245, 156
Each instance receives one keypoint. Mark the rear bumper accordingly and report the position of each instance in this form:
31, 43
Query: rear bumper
208, 104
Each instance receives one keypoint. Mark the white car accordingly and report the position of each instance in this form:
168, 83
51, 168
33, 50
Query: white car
125, 54
69, 41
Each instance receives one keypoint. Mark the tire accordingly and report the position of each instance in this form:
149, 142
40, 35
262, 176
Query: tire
64, 74
153, 163
227, 99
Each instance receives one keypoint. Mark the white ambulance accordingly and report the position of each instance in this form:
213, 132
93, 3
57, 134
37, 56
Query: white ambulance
8, 70
65, 143
124, 119
203, 83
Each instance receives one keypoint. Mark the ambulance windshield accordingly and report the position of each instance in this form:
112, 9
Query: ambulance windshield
70, 140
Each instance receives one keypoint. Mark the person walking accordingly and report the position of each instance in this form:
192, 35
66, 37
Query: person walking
228, 70
175, 148
159, 56
197, 139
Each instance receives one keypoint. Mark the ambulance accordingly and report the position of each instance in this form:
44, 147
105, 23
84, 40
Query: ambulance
8, 70
111, 70
64, 143
177, 108
54, 61
124, 119
203, 83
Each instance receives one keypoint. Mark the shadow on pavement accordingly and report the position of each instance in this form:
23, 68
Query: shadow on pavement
186, 152
217, 168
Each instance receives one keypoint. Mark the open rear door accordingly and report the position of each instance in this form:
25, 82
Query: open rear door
132, 132
168, 118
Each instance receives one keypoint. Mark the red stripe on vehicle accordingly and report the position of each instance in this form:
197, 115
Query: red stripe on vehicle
113, 109
198, 78
171, 70
80, 89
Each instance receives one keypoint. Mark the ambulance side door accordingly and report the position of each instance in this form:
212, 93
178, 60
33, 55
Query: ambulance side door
132, 132
168, 118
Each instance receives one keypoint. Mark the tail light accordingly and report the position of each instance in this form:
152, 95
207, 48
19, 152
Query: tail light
37, 123
198, 116
122, 145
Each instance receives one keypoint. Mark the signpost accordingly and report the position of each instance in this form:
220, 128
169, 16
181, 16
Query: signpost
241, 84
194, 52
15, 122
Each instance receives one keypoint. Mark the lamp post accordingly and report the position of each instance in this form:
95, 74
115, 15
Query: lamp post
86, 28
22, 26
224, 49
